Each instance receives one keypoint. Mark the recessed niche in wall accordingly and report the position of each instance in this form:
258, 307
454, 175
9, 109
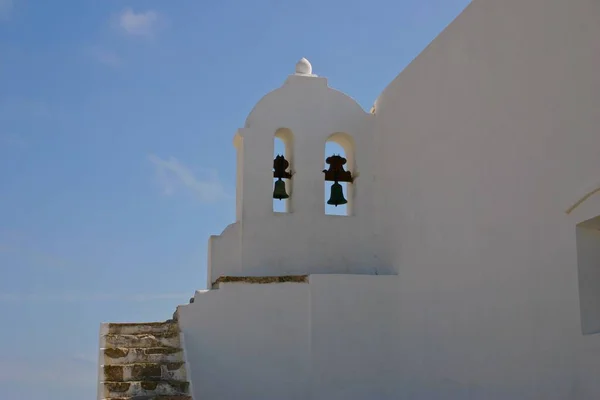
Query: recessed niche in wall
588, 265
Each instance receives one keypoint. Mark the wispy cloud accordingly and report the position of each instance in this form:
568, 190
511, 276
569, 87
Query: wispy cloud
105, 57
138, 24
71, 297
5, 8
171, 174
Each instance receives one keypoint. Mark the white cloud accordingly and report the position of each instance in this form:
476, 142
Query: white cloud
171, 173
5, 8
138, 24
105, 57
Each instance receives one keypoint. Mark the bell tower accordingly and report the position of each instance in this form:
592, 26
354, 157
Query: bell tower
305, 116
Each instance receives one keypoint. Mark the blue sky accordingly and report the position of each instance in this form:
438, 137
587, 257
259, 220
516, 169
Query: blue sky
116, 156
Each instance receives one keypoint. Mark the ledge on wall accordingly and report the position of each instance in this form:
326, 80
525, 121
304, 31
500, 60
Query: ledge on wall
261, 279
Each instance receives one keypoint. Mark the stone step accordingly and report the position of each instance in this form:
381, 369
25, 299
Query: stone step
145, 371
140, 340
124, 355
144, 388
155, 328
167, 397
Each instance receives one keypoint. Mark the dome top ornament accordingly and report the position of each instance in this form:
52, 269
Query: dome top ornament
303, 67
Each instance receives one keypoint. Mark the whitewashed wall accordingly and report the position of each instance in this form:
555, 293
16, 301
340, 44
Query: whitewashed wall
332, 338
484, 141
487, 138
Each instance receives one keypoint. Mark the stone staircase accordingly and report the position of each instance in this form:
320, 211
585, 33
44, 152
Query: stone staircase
142, 361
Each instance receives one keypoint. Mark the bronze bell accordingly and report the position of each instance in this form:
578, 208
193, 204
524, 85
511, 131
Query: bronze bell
337, 195
279, 191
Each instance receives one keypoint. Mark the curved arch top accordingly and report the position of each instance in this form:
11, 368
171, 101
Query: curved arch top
284, 134
301, 96
343, 139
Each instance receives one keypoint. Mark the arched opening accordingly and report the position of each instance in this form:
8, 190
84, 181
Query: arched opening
588, 271
338, 201
283, 145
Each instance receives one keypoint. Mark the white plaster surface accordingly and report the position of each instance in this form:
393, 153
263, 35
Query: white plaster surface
319, 340
467, 167
493, 132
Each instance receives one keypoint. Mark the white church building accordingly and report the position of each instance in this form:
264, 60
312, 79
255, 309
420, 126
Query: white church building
464, 259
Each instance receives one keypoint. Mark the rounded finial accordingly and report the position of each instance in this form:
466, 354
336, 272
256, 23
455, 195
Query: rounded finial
303, 67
